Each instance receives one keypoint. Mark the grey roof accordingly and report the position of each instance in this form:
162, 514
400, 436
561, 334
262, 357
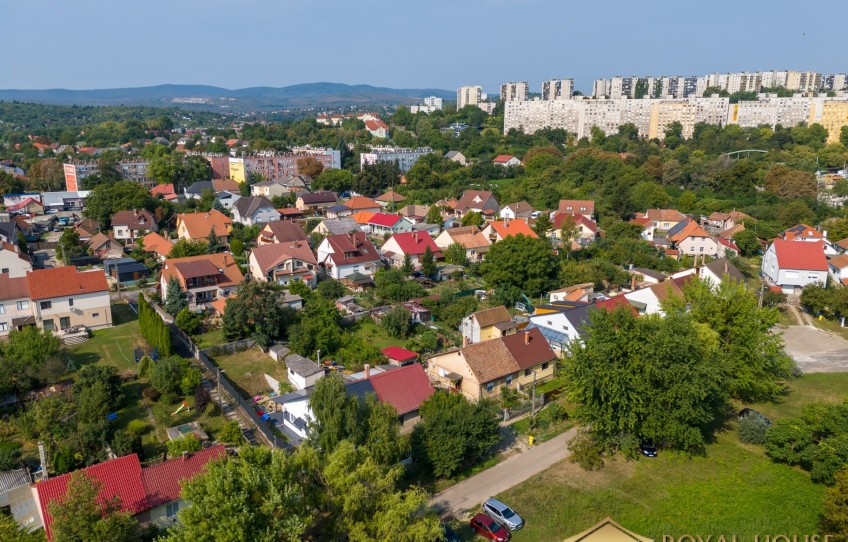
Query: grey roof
338, 208
679, 226
199, 187
248, 205
423, 226
9, 231
360, 388
280, 349
11, 479
323, 196
54, 199
340, 226
298, 395
722, 266
649, 273
302, 366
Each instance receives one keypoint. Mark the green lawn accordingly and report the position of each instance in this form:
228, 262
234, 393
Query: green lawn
246, 370
114, 345
733, 489
374, 334
210, 338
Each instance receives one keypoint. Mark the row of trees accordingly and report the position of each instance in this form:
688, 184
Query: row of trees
153, 328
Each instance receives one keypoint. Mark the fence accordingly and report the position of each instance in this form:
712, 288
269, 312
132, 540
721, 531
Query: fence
42, 245
243, 407
229, 348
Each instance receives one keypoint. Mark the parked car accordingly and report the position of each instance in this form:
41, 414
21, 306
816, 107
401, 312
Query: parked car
448, 535
745, 412
489, 528
505, 515
648, 449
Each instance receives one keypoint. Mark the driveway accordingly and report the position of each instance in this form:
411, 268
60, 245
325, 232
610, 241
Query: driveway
471, 492
815, 350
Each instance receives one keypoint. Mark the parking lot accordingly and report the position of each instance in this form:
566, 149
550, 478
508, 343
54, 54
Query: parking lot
815, 350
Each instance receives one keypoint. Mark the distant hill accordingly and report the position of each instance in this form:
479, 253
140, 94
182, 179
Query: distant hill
310, 95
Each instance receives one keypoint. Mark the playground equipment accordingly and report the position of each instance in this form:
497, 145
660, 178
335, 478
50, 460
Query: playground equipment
184, 405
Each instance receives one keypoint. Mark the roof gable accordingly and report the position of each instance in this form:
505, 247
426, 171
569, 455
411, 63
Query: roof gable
414, 243
490, 317
64, 281
404, 388
794, 255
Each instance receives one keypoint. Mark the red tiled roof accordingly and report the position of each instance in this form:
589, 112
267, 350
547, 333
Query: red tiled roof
577, 206
615, 302
503, 158
153, 242
162, 481
120, 477
405, 388
399, 354
26, 201
801, 231
384, 219
415, 243
576, 218
162, 189
808, 256
352, 248
513, 227
64, 281
13, 288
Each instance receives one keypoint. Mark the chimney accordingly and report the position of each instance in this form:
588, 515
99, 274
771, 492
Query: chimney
415, 236
367, 371
464, 341
185, 456
633, 282
726, 266
526, 337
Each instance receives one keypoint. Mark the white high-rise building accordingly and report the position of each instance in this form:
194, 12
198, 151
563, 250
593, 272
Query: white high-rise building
600, 88
431, 103
468, 95
515, 91
558, 89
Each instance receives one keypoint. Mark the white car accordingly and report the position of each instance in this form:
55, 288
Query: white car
503, 514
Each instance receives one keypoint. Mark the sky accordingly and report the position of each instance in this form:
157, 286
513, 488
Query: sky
86, 44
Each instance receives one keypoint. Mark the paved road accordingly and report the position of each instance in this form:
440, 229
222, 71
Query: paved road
473, 491
815, 350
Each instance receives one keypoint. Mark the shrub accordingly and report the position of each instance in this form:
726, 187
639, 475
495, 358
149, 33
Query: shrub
144, 366
190, 381
231, 433
125, 443
10, 455
138, 427
188, 321
151, 393
188, 443
167, 375
586, 451
201, 398
752, 430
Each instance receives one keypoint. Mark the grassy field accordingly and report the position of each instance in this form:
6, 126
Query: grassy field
733, 489
246, 370
374, 334
210, 338
114, 345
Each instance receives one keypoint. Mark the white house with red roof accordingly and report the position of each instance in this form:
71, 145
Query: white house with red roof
585, 229
383, 223
347, 254
377, 128
805, 233
793, 265
412, 244
506, 160
283, 263
151, 494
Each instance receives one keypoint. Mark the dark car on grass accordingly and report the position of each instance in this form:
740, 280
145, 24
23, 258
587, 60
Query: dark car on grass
750, 412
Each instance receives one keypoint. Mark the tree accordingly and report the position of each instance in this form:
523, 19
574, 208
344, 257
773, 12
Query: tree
83, 517
835, 510
335, 414
48, 175
175, 297
237, 246
257, 312
213, 244
69, 246
309, 165
408, 267
788, 183
231, 433
107, 199
167, 374
31, 357
748, 242
434, 215
397, 322
453, 432
522, 263
542, 225
184, 248
11, 532
428, 263
318, 328
331, 289
472, 218
189, 443
456, 254
98, 391
187, 321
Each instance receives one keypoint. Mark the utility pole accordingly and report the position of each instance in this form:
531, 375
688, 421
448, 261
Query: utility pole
533, 397
762, 289
220, 397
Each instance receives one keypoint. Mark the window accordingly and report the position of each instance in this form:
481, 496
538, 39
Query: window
527, 372
48, 325
4, 270
64, 322
4, 326
2, 308
46, 305
172, 509
71, 302
490, 387
702, 249
95, 314
545, 365
509, 380
23, 305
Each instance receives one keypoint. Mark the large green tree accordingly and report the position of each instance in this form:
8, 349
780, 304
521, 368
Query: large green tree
257, 312
80, 516
523, 263
31, 357
107, 199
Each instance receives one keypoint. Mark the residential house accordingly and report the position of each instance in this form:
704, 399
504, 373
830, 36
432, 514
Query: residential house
838, 268
412, 244
132, 225
476, 244
415, 213
105, 247
427, 229
506, 160
268, 189
150, 494
693, 240
27, 205
841, 246
283, 263
664, 219
13, 262
203, 278
337, 211
387, 223
390, 199
86, 228
521, 209
165, 192
281, 231
399, 356
456, 156
651, 298
157, 245
227, 199
64, 297
724, 221
576, 293
254, 210
290, 213
805, 233
197, 226
583, 207
337, 226
478, 201
302, 372
377, 128
481, 370
486, 325
648, 276
311, 201
716, 271
16, 311
362, 217
64, 201
361, 203
565, 324
585, 230
344, 255
196, 190
498, 230
793, 265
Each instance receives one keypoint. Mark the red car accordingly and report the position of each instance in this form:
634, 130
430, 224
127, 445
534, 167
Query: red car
489, 528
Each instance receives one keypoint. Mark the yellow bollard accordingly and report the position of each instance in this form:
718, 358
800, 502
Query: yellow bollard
820, 317
530, 440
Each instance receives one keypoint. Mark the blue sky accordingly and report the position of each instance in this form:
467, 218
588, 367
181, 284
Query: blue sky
404, 44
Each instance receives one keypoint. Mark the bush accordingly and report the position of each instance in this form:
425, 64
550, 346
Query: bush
167, 375
125, 443
752, 430
188, 321
397, 322
586, 451
138, 427
143, 367
201, 398
10, 455
231, 433
151, 393
190, 381
188, 443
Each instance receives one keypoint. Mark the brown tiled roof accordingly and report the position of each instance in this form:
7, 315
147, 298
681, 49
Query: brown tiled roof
666, 289
489, 360
839, 262
98, 240
575, 206
529, 348
268, 256
88, 226
284, 231
467, 201
391, 196
64, 281
199, 225
13, 288
318, 197
731, 231
520, 207
665, 215
843, 244
468, 236
490, 317
230, 277
219, 185
137, 219
195, 269
153, 242
356, 244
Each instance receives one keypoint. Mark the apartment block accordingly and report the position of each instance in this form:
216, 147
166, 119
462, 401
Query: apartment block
431, 103
131, 170
274, 166
836, 81
515, 91
600, 88
468, 95
770, 110
832, 113
558, 89
404, 158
